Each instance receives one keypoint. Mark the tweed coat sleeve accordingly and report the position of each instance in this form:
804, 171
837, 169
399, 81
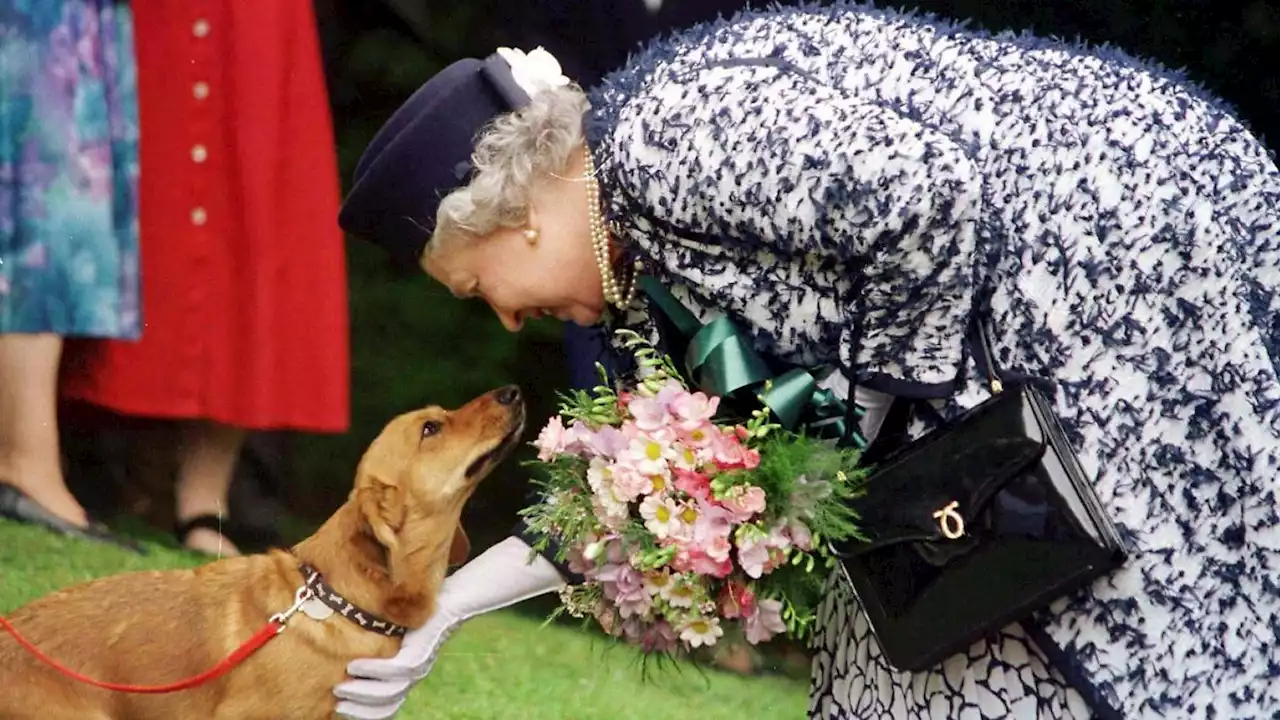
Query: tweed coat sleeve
757, 154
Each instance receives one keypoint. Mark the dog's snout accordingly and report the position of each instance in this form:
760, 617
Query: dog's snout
509, 395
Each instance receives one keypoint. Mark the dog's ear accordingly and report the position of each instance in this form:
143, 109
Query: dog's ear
460, 548
385, 510
382, 505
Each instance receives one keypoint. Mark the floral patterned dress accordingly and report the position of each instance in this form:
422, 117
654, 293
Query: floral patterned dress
68, 169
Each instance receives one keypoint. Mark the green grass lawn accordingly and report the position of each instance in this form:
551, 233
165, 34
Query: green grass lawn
498, 666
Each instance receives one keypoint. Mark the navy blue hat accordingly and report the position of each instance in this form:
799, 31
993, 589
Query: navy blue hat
423, 152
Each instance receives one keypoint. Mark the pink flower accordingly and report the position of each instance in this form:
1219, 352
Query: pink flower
630, 484
606, 442
801, 537
633, 606
632, 629
780, 537
693, 483
658, 637
753, 553
704, 564
629, 431
693, 410
577, 438
694, 560
730, 454
670, 393
701, 435
718, 548
745, 502
777, 558
765, 622
713, 522
737, 600
621, 582
551, 441
649, 414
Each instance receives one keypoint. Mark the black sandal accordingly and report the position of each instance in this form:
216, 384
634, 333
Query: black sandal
205, 522
246, 539
18, 506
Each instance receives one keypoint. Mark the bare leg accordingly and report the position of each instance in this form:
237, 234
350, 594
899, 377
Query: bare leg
30, 457
206, 458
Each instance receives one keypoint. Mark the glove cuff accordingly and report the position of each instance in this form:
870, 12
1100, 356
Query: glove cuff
499, 577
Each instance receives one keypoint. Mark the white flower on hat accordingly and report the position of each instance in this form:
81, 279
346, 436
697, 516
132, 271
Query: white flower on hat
535, 71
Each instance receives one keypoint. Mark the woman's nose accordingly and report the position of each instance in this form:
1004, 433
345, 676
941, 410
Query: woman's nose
511, 321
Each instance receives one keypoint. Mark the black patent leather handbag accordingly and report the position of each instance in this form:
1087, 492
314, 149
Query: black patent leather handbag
975, 526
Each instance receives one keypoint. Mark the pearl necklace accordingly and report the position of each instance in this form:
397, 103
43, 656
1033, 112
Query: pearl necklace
613, 291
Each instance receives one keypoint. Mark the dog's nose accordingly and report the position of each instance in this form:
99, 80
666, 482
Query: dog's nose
509, 395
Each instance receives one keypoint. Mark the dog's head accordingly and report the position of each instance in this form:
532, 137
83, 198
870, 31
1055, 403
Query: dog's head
418, 473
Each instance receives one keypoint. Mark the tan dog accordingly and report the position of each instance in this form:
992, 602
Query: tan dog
386, 550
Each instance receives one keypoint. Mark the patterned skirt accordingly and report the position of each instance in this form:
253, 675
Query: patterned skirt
1162, 343
1004, 677
68, 169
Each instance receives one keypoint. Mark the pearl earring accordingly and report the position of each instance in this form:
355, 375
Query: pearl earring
531, 235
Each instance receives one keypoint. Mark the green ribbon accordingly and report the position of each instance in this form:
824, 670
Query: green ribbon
721, 361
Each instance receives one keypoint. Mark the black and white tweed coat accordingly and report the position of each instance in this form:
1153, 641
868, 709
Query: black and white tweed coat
1119, 226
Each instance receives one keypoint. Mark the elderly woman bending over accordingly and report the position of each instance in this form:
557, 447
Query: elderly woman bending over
816, 175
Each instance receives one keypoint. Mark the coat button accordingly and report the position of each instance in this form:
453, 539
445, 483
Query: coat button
199, 154
200, 90
199, 216
200, 28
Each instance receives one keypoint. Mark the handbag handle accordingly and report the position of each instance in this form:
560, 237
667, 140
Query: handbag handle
989, 359
893, 429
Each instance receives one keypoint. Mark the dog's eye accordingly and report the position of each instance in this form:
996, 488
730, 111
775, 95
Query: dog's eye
429, 428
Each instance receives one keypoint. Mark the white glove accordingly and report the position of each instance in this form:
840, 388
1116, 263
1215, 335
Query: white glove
501, 576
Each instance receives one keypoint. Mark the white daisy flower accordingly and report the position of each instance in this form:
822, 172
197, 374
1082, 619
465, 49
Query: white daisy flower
702, 631
660, 515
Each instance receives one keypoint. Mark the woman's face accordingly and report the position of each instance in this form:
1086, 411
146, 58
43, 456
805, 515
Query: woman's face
554, 275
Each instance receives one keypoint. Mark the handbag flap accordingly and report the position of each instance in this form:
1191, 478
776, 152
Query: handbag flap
936, 485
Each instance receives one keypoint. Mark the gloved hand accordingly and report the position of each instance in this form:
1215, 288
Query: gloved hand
499, 577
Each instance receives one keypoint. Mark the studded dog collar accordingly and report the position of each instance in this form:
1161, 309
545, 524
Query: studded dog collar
325, 594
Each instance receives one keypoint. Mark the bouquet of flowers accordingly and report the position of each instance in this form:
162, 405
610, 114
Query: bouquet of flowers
687, 526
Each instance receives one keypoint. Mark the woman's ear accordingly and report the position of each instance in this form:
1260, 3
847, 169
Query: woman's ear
532, 230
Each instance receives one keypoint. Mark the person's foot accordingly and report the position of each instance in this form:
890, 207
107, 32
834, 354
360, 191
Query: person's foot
203, 534
17, 505
45, 487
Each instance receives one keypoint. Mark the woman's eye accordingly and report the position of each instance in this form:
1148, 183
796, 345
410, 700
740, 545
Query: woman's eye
429, 428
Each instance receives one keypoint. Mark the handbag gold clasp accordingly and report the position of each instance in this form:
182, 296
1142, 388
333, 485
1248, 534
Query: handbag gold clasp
950, 521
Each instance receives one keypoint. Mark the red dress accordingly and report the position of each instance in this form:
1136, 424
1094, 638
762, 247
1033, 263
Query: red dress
244, 295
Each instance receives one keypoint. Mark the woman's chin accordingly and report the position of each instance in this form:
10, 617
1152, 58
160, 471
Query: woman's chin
584, 317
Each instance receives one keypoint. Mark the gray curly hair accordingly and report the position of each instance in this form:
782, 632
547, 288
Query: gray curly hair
511, 152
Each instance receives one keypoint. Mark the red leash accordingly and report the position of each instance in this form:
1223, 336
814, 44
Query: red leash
274, 627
